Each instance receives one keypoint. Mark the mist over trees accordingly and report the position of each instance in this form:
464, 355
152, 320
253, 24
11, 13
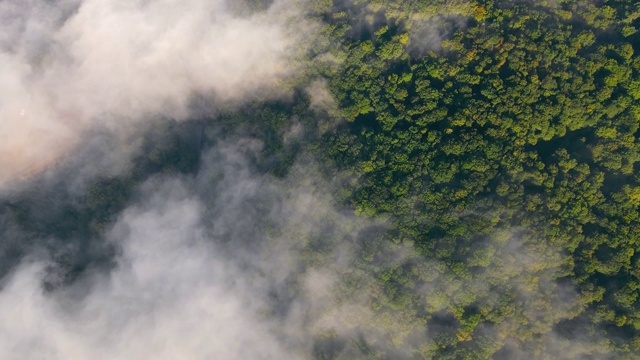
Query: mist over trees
401, 180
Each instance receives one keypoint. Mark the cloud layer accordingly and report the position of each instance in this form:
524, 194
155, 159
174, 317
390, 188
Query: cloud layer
171, 296
223, 261
228, 264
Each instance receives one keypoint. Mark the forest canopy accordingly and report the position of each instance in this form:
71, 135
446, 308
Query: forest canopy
476, 123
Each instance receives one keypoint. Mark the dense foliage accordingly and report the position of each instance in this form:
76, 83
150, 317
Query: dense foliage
476, 123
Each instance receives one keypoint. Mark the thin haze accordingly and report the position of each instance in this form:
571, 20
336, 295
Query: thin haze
67, 66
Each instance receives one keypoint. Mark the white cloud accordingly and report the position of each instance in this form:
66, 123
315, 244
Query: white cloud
109, 63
